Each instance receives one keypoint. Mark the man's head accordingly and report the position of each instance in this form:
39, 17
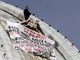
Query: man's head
27, 7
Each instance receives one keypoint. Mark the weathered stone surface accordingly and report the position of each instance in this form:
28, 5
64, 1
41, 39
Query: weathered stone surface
64, 50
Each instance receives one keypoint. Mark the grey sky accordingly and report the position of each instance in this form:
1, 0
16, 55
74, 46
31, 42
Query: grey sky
63, 15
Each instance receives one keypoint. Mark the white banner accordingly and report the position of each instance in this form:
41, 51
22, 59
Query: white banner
29, 40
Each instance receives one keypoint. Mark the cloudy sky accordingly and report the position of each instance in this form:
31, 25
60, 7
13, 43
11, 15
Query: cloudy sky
63, 15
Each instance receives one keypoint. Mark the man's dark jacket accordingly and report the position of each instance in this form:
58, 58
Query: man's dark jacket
26, 14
